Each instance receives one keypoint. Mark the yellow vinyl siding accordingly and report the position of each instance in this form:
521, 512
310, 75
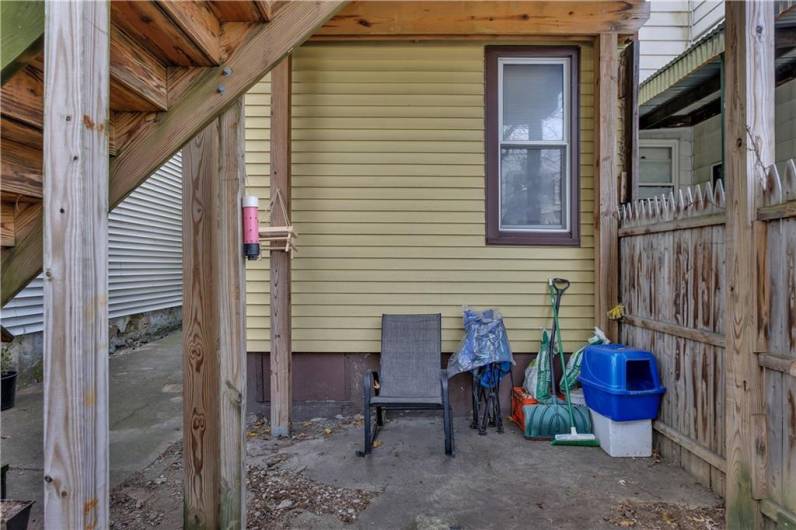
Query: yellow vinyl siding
388, 201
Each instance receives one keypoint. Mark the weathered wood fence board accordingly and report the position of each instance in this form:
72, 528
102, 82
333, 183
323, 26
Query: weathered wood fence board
672, 283
777, 339
672, 266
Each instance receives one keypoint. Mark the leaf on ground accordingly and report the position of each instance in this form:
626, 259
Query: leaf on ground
377, 443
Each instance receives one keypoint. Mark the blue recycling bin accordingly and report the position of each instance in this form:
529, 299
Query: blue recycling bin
620, 382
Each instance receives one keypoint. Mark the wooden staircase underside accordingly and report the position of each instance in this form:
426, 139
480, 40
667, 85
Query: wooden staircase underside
174, 66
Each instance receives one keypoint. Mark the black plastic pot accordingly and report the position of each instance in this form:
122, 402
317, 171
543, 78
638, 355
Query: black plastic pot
8, 389
16, 514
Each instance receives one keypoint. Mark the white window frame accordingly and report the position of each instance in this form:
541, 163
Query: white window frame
566, 143
674, 145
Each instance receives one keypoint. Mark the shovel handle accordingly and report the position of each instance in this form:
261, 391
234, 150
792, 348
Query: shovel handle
559, 284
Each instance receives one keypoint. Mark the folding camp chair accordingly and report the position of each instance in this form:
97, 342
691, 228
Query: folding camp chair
409, 377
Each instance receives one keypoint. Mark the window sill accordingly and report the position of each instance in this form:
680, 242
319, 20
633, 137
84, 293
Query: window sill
534, 240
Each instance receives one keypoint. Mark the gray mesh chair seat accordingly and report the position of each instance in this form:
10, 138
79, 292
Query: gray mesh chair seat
396, 400
410, 376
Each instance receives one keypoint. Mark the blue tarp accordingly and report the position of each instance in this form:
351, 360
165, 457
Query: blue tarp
485, 342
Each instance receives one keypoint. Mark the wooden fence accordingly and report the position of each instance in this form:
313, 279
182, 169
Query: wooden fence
776, 346
672, 283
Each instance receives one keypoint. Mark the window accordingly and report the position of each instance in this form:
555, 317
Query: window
716, 173
532, 176
658, 167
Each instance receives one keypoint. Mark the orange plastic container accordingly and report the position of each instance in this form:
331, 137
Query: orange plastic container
520, 398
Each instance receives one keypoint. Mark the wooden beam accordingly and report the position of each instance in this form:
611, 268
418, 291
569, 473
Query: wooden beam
783, 210
20, 170
235, 10
23, 261
674, 225
7, 210
631, 125
281, 344
780, 362
691, 445
749, 146
15, 131
675, 330
230, 183
158, 32
76, 480
23, 97
606, 244
126, 125
374, 19
214, 325
265, 8
21, 33
198, 22
138, 79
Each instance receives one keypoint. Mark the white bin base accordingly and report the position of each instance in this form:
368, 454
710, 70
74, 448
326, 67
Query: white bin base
577, 397
623, 438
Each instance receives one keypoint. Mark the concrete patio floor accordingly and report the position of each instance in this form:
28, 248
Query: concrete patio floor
145, 418
497, 481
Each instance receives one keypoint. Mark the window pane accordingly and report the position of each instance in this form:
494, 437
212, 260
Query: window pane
533, 102
647, 192
533, 190
655, 164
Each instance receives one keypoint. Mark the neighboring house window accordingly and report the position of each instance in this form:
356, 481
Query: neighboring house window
532, 148
716, 174
657, 167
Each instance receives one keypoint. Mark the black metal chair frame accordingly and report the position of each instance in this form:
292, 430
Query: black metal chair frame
486, 404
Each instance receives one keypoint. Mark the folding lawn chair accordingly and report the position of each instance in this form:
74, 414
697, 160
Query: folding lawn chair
409, 376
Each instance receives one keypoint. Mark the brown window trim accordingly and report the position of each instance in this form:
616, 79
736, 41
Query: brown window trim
494, 236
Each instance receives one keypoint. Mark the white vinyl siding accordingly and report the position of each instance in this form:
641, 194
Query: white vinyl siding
673, 26
664, 36
144, 255
705, 14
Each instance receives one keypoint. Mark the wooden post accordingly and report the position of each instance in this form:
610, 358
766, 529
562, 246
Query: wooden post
630, 189
281, 362
749, 148
214, 325
75, 262
232, 317
606, 224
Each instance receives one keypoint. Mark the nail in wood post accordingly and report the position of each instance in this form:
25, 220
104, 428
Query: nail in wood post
606, 245
749, 135
281, 362
75, 261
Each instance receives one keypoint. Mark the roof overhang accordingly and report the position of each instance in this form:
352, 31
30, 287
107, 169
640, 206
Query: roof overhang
390, 20
687, 89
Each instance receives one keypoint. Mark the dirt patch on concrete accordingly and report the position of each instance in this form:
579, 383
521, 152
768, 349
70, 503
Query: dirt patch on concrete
276, 496
665, 516
151, 498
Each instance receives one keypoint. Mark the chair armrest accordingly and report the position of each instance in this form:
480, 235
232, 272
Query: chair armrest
443, 382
